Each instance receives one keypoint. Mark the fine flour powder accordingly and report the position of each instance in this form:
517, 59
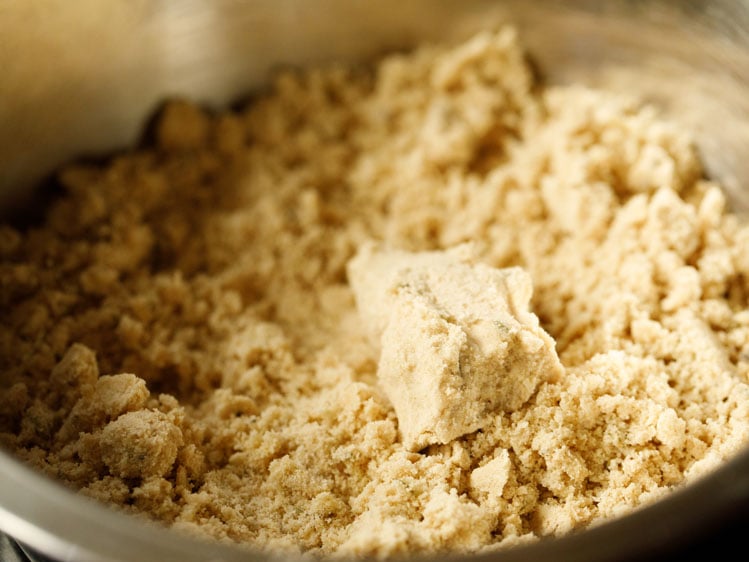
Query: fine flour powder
424, 305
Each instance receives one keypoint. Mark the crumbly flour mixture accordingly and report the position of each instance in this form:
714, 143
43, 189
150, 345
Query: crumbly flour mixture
428, 305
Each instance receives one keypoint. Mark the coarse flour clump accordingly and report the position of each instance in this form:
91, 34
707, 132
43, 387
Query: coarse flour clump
229, 330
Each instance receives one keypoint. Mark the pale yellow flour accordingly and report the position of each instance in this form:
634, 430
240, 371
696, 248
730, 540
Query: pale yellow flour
180, 337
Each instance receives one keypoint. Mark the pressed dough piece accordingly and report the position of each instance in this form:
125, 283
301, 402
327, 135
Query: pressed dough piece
140, 444
457, 339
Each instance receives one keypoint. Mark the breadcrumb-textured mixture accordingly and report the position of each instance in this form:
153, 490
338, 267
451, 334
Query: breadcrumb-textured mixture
180, 337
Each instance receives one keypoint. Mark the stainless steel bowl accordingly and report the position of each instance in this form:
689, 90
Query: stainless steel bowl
82, 78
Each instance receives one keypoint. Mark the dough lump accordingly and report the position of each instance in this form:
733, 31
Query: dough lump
457, 339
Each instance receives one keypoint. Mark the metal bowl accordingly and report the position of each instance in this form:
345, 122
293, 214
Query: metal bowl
82, 78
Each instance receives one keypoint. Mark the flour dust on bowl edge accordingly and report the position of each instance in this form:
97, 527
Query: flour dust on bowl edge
64, 98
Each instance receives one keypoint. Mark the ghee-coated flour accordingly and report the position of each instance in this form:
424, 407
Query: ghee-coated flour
424, 305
